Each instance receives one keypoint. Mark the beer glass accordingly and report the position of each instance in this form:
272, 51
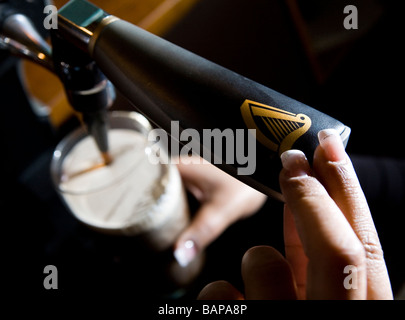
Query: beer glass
131, 197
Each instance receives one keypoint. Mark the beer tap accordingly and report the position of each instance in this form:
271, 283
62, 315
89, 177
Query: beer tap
168, 83
19, 36
87, 88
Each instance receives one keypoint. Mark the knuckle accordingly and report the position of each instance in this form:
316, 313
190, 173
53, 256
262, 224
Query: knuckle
211, 226
373, 250
351, 255
306, 188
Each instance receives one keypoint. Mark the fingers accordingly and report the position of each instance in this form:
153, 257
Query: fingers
267, 275
219, 290
327, 238
223, 199
294, 253
197, 175
213, 217
333, 168
205, 227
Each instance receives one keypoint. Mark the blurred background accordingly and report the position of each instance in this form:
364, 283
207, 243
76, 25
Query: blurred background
297, 47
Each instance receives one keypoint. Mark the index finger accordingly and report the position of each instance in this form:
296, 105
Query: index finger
334, 169
327, 238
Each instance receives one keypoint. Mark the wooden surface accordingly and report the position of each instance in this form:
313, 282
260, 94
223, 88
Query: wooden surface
156, 16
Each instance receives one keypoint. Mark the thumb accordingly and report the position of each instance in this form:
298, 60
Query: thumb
209, 222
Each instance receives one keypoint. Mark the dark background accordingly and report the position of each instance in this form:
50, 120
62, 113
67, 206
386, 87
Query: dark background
356, 77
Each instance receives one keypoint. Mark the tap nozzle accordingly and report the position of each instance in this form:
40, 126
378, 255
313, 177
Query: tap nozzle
87, 88
19, 36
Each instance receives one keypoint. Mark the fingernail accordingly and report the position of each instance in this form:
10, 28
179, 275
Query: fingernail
332, 144
295, 162
185, 253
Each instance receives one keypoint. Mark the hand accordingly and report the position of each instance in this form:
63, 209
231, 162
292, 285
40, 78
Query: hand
223, 200
328, 230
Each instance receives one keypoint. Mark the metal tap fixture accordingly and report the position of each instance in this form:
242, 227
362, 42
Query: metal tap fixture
168, 83
87, 88
19, 36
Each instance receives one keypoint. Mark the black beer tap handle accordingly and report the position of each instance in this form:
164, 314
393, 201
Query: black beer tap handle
168, 83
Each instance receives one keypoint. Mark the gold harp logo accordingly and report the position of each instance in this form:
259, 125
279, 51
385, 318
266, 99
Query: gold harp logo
275, 128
